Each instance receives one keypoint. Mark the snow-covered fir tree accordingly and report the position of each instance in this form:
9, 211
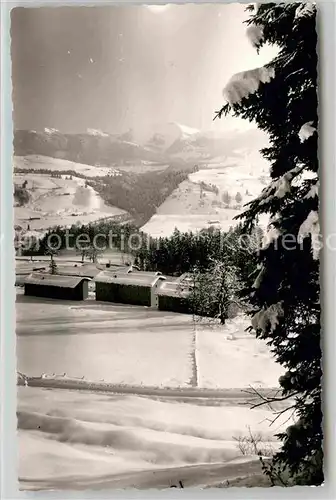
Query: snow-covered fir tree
281, 98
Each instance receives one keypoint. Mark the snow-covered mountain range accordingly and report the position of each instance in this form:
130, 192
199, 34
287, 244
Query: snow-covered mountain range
167, 142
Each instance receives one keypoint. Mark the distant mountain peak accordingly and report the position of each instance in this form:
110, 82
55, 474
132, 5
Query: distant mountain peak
97, 132
185, 130
49, 130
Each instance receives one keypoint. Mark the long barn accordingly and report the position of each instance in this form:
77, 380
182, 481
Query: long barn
136, 288
54, 286
171, 296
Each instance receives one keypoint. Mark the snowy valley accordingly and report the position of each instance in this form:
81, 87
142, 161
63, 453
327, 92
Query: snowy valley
191, 179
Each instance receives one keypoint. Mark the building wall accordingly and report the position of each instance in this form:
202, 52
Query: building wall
54, 292
84, 289
154, 295
173, 304
124, 294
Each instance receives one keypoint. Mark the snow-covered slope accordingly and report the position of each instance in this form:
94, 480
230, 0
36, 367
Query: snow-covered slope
66, 199
209, 196
179, 142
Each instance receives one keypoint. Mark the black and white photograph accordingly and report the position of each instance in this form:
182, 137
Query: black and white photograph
167, 246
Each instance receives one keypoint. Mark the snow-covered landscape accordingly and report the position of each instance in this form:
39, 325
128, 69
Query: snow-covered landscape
165, 335
150, 391
206, 198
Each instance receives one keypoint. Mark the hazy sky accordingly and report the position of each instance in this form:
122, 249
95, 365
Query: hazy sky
115, 68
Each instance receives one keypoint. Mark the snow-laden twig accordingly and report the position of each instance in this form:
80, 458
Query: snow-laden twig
306, 131
243, 84
311, 227
259, 278
268, 318
313, 191
255, 34
280, 187
271, 235
306, 9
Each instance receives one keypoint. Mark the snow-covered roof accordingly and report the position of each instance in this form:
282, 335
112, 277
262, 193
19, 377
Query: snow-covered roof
55, 280
28, 269
173, 289
131, 279
81, 271
145, 273
111, 272
186, 278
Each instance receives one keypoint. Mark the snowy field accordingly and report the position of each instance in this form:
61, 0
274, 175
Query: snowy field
190, 208
137, 345
81, 439
230, 357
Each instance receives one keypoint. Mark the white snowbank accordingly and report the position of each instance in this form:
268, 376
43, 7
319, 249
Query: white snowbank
73, 436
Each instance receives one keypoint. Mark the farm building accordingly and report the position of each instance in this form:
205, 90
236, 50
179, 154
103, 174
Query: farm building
132, 288
56, 287
186, 280
171, 296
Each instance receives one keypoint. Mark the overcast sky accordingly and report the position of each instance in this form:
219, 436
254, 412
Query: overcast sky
116, 68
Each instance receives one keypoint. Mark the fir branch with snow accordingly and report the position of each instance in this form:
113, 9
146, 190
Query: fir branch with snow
281, 99
306, 131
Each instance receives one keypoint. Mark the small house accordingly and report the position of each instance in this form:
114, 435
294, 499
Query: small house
54, 286
172, 296
128, 288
